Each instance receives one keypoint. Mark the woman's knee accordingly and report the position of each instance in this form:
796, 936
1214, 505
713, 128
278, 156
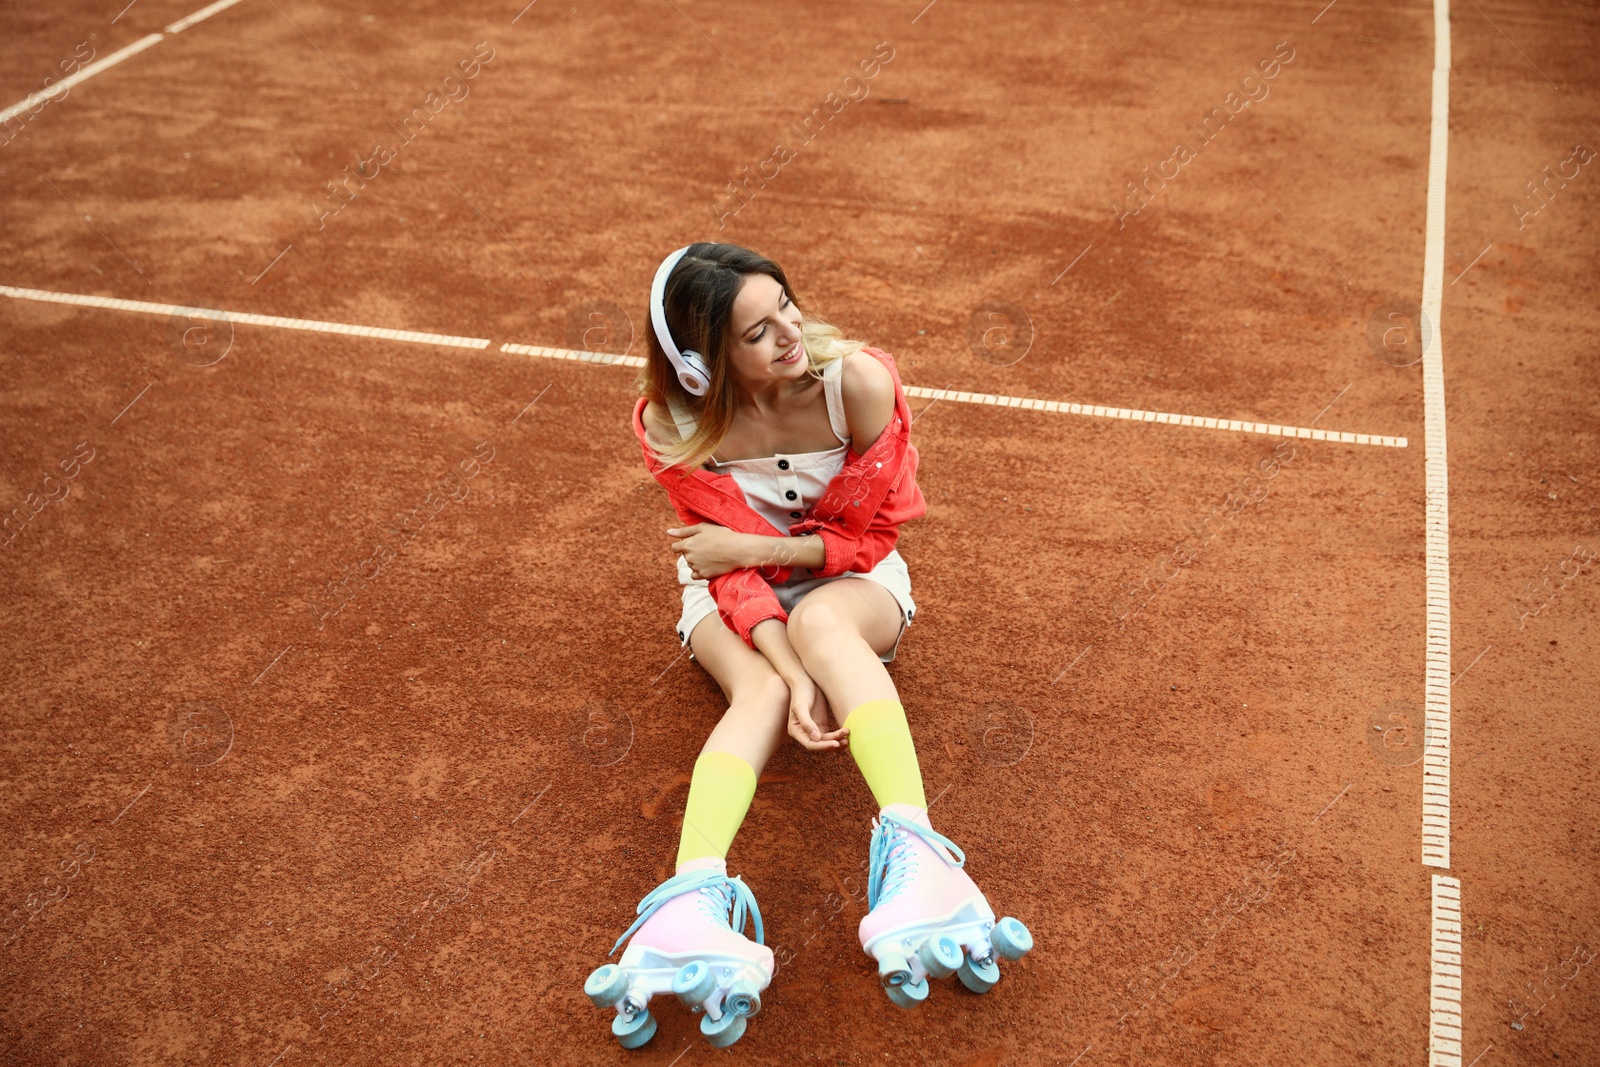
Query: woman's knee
815, 623
762, 692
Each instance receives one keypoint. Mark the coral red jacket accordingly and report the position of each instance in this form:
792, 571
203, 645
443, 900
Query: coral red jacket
857, 518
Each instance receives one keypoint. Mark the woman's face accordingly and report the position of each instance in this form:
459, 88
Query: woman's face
764, 328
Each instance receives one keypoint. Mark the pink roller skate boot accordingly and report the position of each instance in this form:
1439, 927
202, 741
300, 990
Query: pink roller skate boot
683, 942
926, 916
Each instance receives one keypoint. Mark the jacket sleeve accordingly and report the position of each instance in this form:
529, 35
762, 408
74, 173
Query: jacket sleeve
857, 554
857, 528
744, 599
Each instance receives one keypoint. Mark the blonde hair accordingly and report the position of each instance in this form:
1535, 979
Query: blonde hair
698, 302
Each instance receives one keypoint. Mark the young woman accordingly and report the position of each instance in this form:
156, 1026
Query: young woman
786, 452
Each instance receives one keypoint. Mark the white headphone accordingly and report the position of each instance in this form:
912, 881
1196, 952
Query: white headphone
693, 373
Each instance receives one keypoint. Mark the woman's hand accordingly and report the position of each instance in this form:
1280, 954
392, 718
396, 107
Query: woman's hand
710, 549
810, 718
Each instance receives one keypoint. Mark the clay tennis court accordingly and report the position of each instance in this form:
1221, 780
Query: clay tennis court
345, 721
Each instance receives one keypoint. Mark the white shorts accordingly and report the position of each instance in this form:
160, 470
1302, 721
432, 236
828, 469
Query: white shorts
890, 573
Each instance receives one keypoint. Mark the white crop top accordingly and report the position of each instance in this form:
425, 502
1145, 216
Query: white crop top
783, 487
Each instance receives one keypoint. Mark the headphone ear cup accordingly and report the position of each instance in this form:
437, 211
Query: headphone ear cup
697, 364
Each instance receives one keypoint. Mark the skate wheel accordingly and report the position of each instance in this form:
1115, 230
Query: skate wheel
724, 1031
693, 983
744, 999
940, 956
606, 985
978, 977
631, 1033
908, 995
892, 968
1011, 939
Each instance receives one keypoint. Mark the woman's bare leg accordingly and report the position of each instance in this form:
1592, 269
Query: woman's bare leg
839, 630
758, 700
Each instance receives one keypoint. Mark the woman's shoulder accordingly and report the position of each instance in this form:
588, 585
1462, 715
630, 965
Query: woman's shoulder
869, 397
865, 373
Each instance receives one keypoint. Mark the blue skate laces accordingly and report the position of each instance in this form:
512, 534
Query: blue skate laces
890, 862
727, 892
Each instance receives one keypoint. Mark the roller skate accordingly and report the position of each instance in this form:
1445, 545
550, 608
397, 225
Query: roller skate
684, 943
926, 918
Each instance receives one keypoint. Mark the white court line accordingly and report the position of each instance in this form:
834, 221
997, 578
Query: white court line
1030, 403
1444, 998
1444, 1001
573, 354
1436, 751
145, 308
1033, 404
35, 99
200, 16
1169, 418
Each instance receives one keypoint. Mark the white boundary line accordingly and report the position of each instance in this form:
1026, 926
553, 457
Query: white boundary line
1436, 753
1445, 965
200, 16
1029, 403
1136, 415
573, 354
317, 326
1444, 998
60, 87
1033, 404
35, 99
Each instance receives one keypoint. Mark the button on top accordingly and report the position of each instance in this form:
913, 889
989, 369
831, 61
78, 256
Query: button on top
783, 464
791, 495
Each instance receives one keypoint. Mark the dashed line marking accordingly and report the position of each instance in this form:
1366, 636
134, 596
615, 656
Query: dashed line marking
273, 664
1474, 262
60, 87
572, 354
1071, 665
274, 263
531, 803
1100, 411
611, 359
1444, 999
200, 16
132, 802
1330, 804
1471, 665
1436, 753
1074, 263
313, 325
530, 403
132, 402
35, 99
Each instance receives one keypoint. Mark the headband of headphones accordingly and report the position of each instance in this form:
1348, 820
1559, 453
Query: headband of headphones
693, 373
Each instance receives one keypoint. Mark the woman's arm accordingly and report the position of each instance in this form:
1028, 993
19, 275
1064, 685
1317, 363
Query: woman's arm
809, 714
876, 490
710, 550
804, 551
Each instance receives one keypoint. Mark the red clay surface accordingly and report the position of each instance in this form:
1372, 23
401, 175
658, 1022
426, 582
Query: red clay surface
244, 827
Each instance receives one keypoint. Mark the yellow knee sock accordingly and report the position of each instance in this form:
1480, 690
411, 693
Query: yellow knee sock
720, 792
880, 741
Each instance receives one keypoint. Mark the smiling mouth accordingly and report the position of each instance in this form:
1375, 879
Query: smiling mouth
792, 353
